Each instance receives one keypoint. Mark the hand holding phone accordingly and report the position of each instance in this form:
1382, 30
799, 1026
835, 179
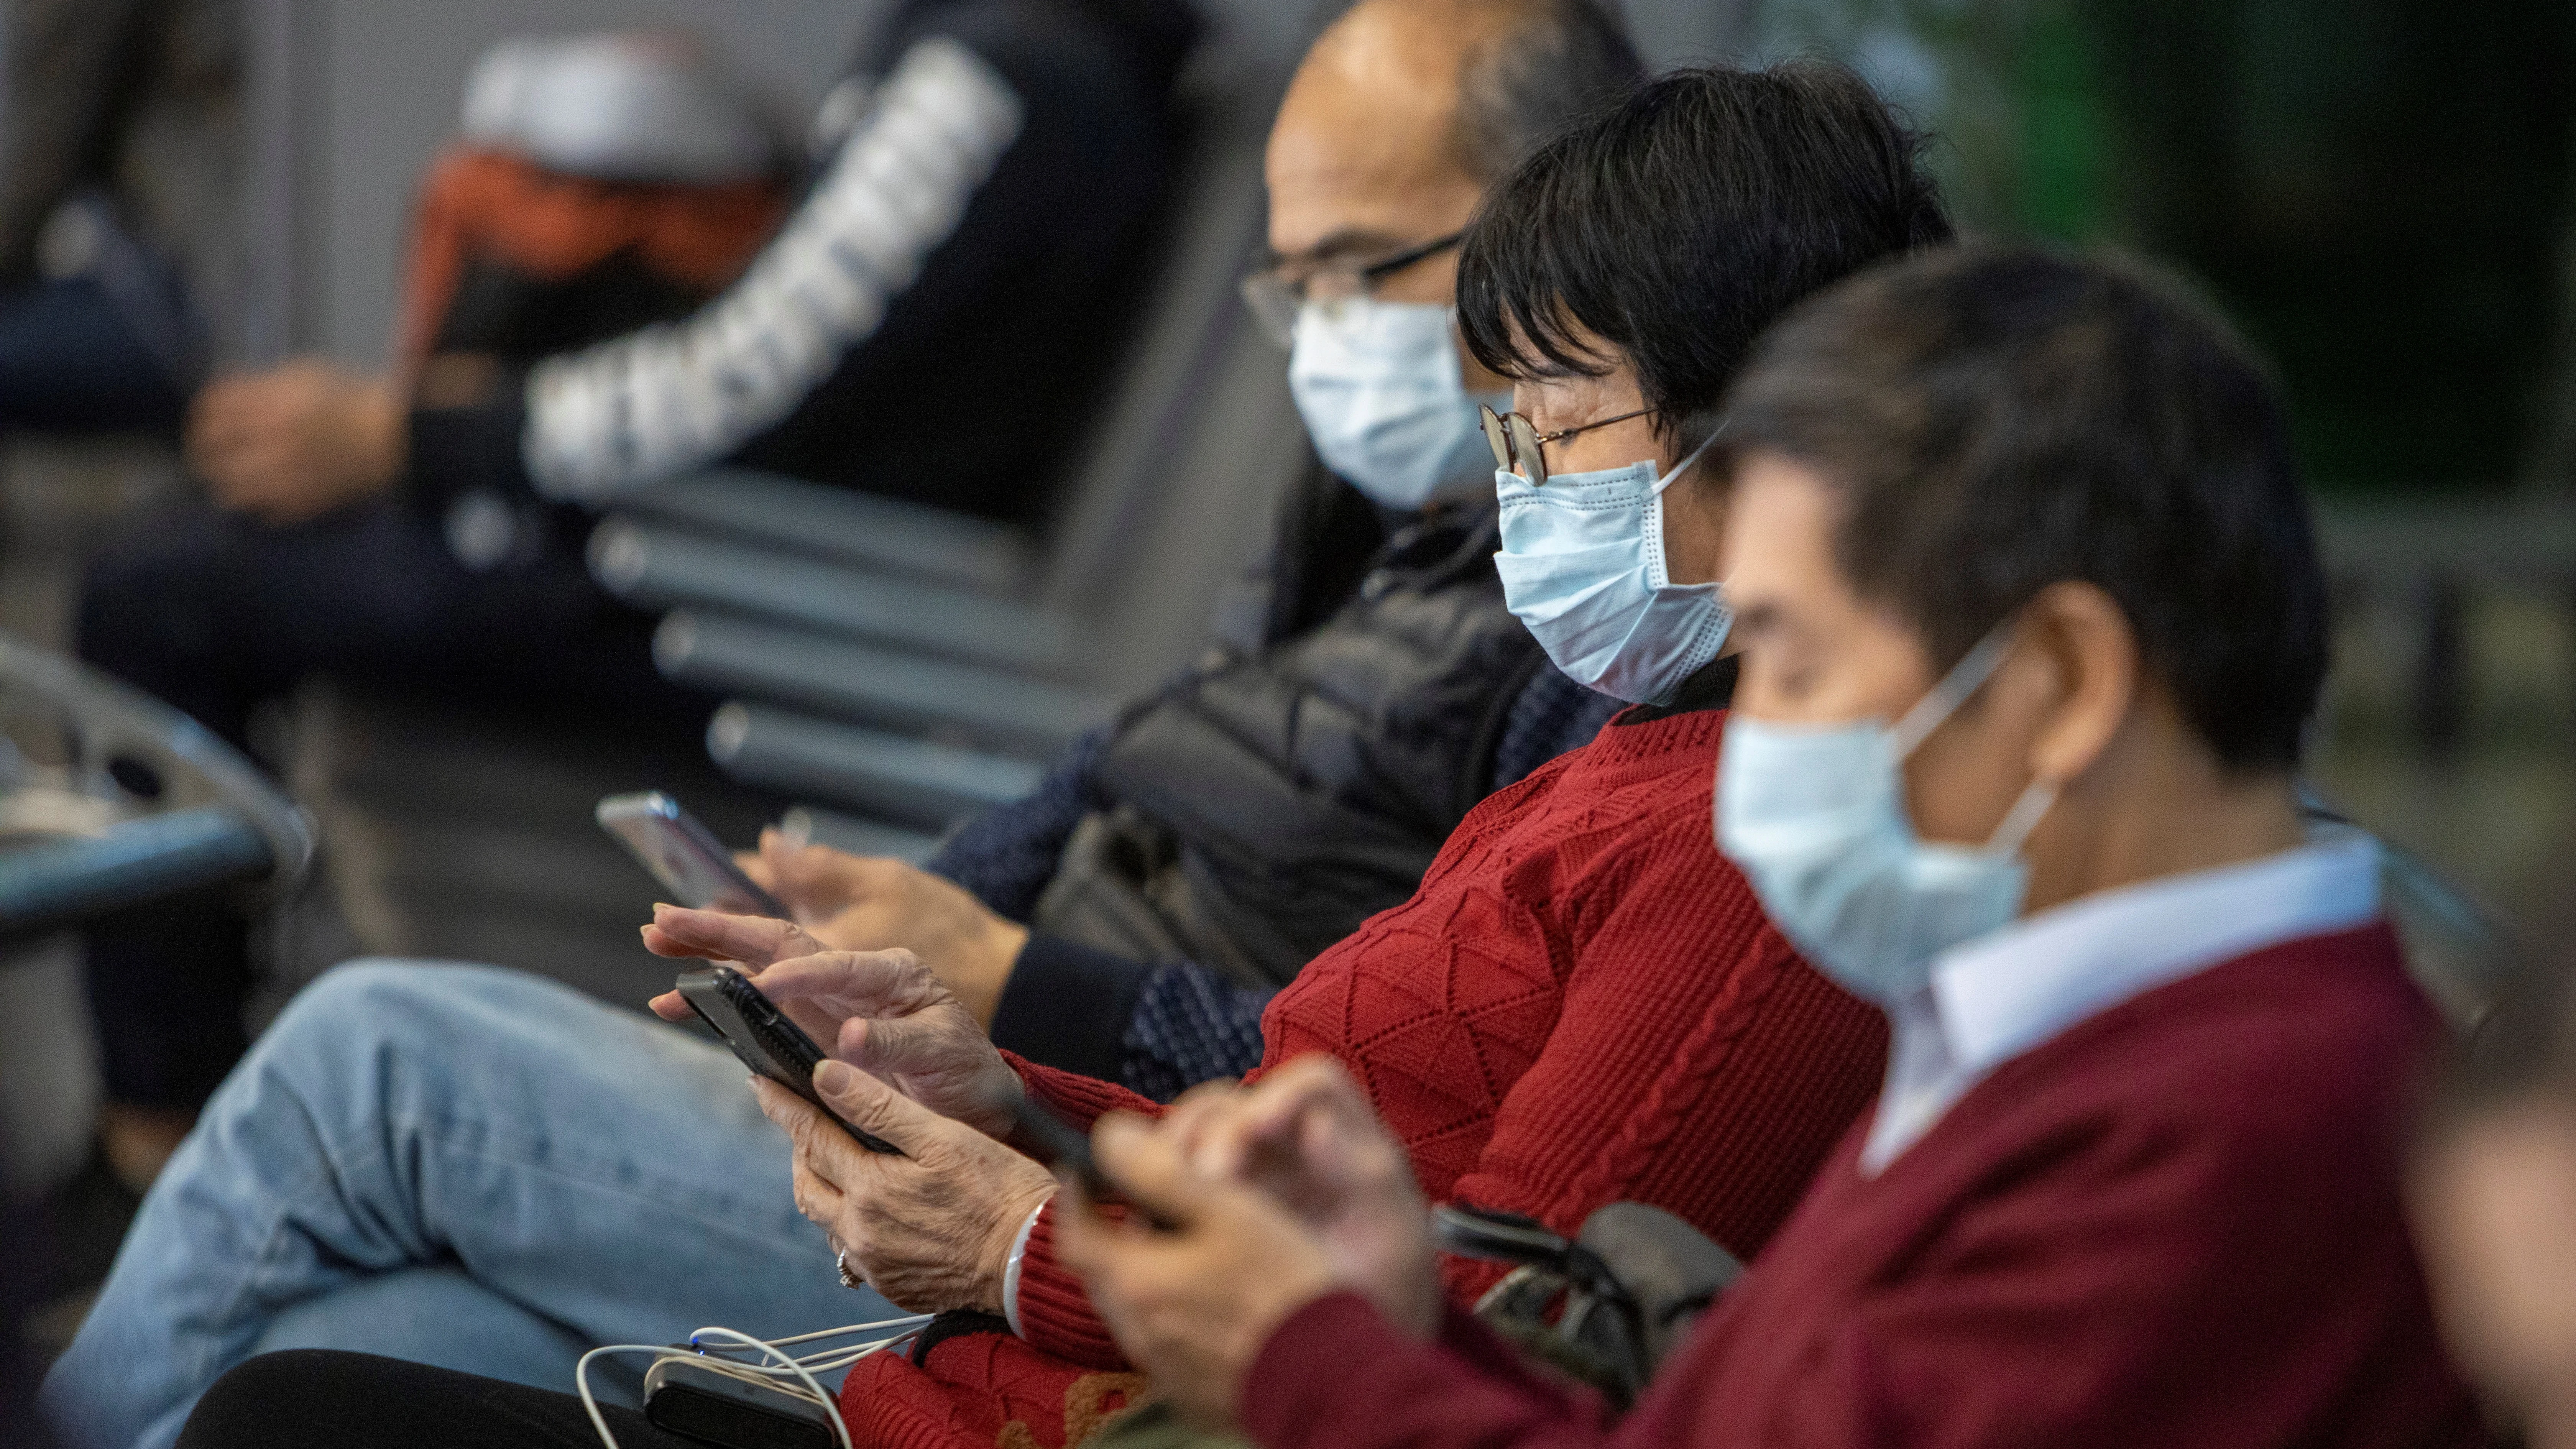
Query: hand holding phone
764, 1039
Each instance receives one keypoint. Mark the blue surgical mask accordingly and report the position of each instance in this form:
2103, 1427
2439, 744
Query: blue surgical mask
1815, 818
1582, 562
1379, 387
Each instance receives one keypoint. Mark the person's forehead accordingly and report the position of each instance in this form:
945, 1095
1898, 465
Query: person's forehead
1779, 533
1363, 140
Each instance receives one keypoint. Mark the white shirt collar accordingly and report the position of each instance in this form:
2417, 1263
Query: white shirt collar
1996, 997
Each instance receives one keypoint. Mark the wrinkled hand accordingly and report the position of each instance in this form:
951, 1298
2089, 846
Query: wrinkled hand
878, 1011
1308, 1137
1192, 1302
865, 903
296, 441
932, 1229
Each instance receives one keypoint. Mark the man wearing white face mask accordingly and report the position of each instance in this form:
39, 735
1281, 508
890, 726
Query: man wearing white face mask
1367, 686
2033, 624
1379, 381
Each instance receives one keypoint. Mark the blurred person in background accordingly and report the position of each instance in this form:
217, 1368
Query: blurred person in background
1582, 1003
2034, 624
926, 323
2493, 1189
1367, 685
25, 1226
120, 250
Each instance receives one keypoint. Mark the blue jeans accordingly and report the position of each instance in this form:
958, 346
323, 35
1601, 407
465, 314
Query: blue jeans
468, 1167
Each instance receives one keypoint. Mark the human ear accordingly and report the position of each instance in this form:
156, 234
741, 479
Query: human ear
2084, 639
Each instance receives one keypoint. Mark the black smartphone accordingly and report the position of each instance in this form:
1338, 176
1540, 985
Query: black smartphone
763, 1037
1061, 1144
684, 855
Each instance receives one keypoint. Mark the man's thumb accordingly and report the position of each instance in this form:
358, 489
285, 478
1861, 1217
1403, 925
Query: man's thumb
1146, 1168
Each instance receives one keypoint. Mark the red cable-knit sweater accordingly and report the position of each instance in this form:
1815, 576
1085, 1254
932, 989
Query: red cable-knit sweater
2178, 1222
1582, 1004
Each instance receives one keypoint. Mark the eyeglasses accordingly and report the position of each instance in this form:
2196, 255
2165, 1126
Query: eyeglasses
1516, 440
1277, 294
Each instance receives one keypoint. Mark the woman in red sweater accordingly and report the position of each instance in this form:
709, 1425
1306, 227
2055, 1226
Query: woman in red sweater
1582, 1003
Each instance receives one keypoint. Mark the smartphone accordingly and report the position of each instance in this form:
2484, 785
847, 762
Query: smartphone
718, 1403
762, 1036
683, 855
1061, 1144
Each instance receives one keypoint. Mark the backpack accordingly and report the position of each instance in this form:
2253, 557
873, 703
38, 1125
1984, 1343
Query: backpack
1631, 1284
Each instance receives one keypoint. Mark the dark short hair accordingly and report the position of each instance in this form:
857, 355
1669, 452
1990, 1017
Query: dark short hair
1547, 65
1677, 224
1998, 420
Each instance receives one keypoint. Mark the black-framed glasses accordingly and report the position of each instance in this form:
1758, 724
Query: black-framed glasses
1516, 440
1277, 294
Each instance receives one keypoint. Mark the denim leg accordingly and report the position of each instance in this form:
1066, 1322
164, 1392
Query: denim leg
211, 613
602, 1171
439, 1316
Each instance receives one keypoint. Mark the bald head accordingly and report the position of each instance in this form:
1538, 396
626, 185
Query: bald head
1405, 110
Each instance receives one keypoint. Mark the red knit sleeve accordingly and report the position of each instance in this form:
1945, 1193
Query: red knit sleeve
1055, 1312
1683, 1008
1078, 1099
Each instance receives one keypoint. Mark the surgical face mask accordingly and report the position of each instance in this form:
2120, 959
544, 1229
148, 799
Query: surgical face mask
1582, 563
1379, 388
1815, 818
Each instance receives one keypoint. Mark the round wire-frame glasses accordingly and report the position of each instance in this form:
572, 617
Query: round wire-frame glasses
1516, 440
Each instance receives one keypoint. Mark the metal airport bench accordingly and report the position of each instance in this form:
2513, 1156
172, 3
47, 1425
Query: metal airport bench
889, 668
110, 799
903, 668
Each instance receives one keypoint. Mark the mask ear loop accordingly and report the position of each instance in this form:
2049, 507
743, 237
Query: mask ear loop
2023, 818
1689, 458
1965, 678
1657, 572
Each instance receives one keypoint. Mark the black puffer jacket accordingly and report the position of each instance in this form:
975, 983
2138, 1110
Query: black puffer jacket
1301, 777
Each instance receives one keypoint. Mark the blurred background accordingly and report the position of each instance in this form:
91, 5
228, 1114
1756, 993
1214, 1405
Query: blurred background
2379, 191
2382, 193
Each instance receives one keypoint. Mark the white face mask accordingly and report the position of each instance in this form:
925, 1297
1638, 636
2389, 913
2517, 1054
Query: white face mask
1379, 388
1582, 564
1815, 818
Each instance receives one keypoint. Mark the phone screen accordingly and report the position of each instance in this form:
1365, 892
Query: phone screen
684, 855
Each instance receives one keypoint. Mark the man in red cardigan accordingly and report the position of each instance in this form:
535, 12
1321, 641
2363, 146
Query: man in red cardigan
2132, 1177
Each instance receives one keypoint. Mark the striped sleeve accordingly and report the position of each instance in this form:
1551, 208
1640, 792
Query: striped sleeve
677, 396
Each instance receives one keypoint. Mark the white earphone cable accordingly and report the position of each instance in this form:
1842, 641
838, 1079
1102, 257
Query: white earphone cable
774, 1362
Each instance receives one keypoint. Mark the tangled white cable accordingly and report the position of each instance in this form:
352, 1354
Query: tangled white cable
784, 1366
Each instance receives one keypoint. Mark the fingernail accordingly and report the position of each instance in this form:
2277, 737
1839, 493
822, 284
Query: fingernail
832, 1077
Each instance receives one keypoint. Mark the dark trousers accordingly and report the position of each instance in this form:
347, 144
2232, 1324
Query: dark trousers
213, 614
71, 363
323, 1399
